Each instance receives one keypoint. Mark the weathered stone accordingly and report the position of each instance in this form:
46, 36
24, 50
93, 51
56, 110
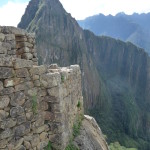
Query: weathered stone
35, 141
17, 99
22, 63
3, 115
7, 45
9, 37
55, 91
38, 70
6, 62
42, 145
3, 50
27, 56
53, 66
12, 52
24, 86
43, 136
21, 147
37, 83
3, 143
35, 77
29, 115
7, 91
1, 86
21, 38
18, 144
8, 83
24, 44
49, 116
8, 123
16, 111
21, 119
23, 50
4, 101
27, 145
22, 73
2, 37
50, 80
13, 30
6, 133
6, 72
43, 106
22, 129
40, 129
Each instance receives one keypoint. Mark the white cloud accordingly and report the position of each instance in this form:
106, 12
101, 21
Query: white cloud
84, 8
11, 13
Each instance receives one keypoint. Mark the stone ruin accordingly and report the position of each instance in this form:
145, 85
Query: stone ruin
38, 104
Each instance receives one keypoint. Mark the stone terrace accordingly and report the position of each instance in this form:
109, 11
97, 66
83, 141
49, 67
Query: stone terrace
38, 104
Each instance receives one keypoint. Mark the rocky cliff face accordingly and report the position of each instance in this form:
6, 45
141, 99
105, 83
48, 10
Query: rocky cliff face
115, 75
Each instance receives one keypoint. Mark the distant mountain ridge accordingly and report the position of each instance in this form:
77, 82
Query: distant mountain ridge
133, 28
115, 74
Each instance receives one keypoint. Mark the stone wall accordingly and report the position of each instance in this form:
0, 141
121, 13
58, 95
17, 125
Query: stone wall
38, 104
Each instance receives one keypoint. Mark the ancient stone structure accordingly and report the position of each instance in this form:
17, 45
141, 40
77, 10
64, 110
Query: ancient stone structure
38, 104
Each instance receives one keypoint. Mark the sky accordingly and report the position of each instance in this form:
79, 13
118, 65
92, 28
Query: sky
11, 11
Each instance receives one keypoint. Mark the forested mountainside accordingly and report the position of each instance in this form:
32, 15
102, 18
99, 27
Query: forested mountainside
133, 28
115, 74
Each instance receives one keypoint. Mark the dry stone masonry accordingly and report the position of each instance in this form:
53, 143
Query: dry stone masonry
38, 104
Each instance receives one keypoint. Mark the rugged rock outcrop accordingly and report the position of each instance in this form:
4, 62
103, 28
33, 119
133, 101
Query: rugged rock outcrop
115, 75
91, 137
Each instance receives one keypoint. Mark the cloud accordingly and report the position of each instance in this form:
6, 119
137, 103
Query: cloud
11, 13
84, 8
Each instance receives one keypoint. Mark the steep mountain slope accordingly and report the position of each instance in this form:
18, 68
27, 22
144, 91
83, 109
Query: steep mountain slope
115, 75
133, 28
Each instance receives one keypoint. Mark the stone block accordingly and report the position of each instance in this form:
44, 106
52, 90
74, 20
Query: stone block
24, 86
17, 99
35, 141
21, 38
38, 70
21, 63
7, 91
3, 144
3, 115
21, 119
22, 73
6, 134
8, 82
2, 37
16, 111
54, 92
6, 62
9, 37
27, 145
4, 101
6, 72
27, 56
24, 44
12, 52
1, 86
42, 145
50, 80
8, 123
23, 50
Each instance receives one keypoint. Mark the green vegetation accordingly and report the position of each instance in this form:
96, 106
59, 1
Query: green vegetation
34, 104
49, 146
75, 132
62, 78
71, 146
117, 146
79, 104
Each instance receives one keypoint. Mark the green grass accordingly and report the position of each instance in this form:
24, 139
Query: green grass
34, 104
79, 104
62, 78
117, 146
49, 146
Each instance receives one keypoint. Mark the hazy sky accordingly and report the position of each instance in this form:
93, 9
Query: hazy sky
12, 10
